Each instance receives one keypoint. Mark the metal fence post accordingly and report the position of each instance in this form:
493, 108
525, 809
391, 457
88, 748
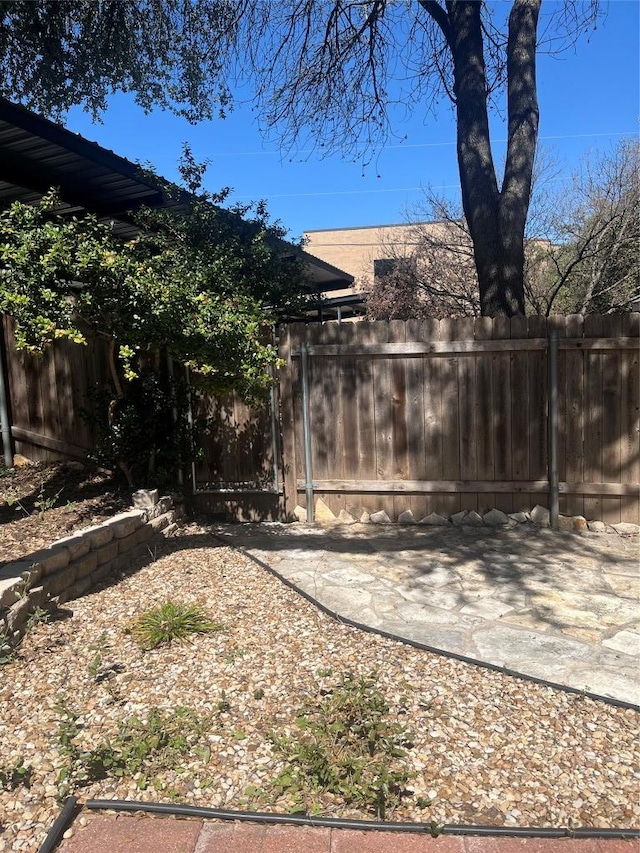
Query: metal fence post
5, 420
553, 429
306, 430
275, 444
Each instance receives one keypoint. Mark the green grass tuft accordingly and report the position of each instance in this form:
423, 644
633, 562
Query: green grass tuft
171, 621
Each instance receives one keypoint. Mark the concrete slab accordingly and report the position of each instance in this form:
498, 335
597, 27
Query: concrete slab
605, 681
348, 577
487, 608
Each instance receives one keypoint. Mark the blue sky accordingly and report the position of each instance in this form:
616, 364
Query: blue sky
589, 98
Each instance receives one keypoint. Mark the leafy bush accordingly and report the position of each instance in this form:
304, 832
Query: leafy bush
189, 291
145, 434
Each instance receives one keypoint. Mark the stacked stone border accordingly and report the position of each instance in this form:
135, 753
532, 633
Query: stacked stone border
495, 518
71, 566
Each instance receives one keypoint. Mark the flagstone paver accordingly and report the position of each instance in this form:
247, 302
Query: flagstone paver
559, 606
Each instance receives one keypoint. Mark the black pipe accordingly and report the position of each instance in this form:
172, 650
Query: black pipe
352, 823
61, 823
596, 697
606, 833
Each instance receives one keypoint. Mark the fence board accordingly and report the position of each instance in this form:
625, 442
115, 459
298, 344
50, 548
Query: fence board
537, 404
465, 347
364, 334
572, 402
398, 403
630, 419
416, 416
351, 435
501, 383
471, 486
611, 420
485, 412
61, 447
435, 373
450, 419
321, 405
62, 381
519, 411
593, 405
333, 369
611, 436
383, 422
630, 416
469, 427
288, 422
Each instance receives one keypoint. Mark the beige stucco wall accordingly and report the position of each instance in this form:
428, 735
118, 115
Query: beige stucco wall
355, 249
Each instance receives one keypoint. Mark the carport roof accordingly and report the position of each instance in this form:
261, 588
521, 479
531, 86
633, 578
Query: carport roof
37, 154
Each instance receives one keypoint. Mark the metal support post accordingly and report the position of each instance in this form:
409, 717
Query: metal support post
553, 430
306, 430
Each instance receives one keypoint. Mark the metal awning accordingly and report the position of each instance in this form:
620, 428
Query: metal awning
37, 154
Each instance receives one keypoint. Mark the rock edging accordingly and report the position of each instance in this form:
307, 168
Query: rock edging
71, 566
495, 518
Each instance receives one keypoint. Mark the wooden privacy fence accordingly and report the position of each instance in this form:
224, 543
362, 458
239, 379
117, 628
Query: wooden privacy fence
422, 415
47, 394
453, 414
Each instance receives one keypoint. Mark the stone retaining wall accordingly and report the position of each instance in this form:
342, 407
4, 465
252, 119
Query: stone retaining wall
69, 567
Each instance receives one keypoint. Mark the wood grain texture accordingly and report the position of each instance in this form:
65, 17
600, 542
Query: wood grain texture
470, 486
433, 415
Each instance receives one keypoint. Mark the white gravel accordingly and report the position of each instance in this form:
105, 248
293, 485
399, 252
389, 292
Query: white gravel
488, 748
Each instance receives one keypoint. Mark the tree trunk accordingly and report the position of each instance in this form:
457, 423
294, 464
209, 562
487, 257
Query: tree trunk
496, 218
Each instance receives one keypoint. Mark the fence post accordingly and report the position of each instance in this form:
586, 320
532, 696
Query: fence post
5, 420
553, 429
275, 444
306, 429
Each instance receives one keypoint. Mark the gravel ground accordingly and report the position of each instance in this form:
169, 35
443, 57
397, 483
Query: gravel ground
487, 748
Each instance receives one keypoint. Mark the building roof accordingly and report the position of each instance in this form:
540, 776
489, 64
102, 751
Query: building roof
37, 154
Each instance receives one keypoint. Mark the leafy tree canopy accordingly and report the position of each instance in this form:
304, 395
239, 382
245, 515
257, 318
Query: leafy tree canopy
192, 288
193, 284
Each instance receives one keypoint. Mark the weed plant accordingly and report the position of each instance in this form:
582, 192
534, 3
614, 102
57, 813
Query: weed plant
7, 652
344, 746
171, 621
39, 616
15, 776
45, 502
144, 749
